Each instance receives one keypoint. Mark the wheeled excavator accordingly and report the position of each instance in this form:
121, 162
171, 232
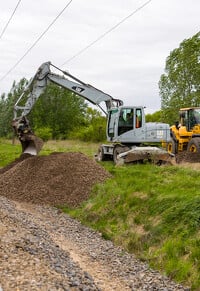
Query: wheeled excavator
130, 137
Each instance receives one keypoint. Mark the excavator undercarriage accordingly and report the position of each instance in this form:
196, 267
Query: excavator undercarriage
123, 154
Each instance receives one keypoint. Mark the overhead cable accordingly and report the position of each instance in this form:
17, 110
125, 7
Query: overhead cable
4, 29
107, 32
37, 40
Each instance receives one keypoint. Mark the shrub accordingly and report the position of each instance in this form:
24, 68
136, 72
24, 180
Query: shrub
44, 133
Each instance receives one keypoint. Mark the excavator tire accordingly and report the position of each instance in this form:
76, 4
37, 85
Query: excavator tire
194, 145
100, 156
116, 152
118, 149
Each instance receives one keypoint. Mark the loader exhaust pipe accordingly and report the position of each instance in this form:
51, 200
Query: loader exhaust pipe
31, 144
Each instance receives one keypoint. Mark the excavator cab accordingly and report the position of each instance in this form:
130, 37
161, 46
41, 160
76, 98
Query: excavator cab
122, 120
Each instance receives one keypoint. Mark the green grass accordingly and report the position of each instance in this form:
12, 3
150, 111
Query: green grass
8, 152
153, 212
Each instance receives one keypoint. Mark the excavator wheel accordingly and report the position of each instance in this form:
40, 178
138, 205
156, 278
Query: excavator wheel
116, 152
100, 156
119, 149
194, 145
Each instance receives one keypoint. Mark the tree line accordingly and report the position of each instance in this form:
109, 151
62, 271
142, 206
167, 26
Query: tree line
57, 114
60, 114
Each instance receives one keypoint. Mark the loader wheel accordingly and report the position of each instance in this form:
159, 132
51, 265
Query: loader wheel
194, 145
171, 147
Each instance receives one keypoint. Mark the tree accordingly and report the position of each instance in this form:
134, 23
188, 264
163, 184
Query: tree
7, 105
154, 117
94, 128
180, 85
59, 110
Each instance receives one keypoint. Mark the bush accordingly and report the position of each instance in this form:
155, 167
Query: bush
91, 133
44, 133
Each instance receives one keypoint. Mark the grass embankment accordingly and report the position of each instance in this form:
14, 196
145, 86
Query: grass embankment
153, 212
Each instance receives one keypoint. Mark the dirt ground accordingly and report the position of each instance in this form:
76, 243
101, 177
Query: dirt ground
186, 157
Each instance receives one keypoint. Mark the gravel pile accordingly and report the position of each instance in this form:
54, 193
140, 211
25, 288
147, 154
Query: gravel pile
60, 178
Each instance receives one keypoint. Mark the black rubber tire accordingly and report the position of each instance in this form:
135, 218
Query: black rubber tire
101, 156
172, 147
116, 151
194, 145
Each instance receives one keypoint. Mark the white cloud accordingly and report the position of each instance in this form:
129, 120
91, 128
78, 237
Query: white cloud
126, 63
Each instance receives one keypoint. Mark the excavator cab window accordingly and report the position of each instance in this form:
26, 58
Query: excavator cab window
125, 120
111, 122
138, 118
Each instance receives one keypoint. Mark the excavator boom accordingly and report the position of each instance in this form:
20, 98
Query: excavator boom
37, 85
39, 82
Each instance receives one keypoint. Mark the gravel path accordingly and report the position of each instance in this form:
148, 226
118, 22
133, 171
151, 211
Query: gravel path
43, 249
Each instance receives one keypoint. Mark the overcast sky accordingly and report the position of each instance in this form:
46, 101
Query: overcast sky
126, 63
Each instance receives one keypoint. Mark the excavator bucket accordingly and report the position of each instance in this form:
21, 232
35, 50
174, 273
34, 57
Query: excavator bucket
31, 144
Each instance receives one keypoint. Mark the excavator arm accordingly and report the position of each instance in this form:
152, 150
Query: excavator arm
39, 83
30, 143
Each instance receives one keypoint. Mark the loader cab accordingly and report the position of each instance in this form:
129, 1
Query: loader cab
189, 117
124, 119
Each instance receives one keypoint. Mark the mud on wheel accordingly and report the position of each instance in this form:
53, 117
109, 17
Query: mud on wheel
194, 145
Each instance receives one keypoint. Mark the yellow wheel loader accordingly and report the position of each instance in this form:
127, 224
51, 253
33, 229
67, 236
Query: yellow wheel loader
185, 134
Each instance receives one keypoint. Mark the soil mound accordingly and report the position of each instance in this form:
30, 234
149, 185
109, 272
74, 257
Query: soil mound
60, 178
187, 157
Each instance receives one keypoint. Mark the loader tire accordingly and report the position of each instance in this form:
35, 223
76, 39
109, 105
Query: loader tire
171, 147
194, 145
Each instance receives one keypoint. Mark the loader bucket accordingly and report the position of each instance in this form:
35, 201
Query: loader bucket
31, 144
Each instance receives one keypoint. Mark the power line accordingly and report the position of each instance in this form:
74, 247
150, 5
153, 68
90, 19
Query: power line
4, 29
107, 32
37, 40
